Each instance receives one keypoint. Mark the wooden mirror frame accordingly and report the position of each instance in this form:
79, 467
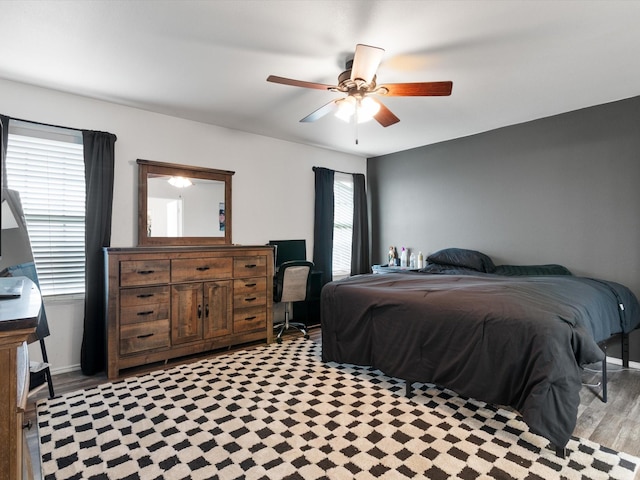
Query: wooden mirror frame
148, 167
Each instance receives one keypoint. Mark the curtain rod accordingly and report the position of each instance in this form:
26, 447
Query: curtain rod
337, 171
56, 126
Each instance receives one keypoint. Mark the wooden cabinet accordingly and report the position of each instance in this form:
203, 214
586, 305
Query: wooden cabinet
166, 302
18, 320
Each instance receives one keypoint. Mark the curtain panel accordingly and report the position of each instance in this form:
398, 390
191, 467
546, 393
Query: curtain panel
3, 150
323, 223
99, 162
360, 258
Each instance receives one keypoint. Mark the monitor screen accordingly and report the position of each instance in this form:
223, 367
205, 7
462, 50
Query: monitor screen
287, 250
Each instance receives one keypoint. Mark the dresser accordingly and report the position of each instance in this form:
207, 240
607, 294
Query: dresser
18, 320
168, 302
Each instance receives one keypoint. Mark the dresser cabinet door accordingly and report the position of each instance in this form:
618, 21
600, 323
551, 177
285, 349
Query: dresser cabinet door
218, 315
187, 313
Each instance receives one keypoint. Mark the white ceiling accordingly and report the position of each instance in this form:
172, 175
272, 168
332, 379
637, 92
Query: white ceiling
510, 61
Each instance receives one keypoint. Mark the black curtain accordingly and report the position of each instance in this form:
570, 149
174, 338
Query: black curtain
323, 223
360, 262
99, 163
3, 151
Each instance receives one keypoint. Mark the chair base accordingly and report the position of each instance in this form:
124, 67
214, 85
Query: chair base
287, 325
283, 327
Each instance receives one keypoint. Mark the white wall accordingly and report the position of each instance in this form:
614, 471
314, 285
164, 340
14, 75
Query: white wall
273, 187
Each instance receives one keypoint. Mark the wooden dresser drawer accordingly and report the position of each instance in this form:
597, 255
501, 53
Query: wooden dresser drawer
144, 313
253, 266
143, 272
138, 337
190, 269
144, 296
249, 299
249, 319
250, 286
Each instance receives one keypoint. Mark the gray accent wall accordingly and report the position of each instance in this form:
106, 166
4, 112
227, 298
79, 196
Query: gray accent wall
563, 189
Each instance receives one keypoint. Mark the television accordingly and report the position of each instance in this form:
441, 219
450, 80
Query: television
287, 250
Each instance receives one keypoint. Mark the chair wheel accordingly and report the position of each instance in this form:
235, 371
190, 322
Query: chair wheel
306, 337
279, 340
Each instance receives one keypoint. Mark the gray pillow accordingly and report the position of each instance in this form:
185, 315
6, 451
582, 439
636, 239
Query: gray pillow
461, 257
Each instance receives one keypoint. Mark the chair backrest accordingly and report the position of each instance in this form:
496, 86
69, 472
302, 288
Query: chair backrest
292, 281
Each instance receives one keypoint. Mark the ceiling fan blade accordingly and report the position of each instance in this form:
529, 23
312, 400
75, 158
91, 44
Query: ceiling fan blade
418, 89
385, 117
298, 83
365, 62
321, 112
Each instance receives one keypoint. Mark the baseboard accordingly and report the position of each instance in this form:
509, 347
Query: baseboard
67, 369
618, 361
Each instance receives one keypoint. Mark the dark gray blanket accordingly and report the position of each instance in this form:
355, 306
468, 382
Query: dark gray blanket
517, 341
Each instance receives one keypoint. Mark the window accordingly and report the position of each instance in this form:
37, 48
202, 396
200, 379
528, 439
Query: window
342, 224
46, 166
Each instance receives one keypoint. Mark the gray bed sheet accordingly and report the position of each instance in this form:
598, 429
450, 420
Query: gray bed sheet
516, 341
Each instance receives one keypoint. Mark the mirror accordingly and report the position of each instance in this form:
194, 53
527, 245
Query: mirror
182, 205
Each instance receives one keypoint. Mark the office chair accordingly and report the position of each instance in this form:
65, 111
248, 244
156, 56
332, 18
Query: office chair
291, 284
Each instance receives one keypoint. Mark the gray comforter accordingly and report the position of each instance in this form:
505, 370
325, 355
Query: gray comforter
517, 341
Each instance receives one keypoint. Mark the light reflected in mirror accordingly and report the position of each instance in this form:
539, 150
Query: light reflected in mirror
178, 209
183, 205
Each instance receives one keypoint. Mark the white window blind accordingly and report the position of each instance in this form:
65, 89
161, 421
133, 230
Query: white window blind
46, 166
342, 224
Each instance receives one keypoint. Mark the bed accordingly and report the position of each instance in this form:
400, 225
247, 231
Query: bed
510, 335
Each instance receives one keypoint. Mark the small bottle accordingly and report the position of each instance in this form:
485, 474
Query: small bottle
412, 260
403, 257
392, 256
420, 260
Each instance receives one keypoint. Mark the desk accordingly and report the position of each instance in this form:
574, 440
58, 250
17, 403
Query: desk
18, 319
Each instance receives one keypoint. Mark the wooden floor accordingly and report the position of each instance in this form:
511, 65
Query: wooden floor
615, 424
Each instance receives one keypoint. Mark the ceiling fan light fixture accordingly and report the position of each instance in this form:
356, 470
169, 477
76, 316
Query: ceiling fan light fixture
364, 108
368, 108
346, 108
179, 182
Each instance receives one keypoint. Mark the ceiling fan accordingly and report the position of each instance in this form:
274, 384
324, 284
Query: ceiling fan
358, 81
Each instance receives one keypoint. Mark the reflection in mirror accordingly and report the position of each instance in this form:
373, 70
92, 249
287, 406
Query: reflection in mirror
184, 207
181, 205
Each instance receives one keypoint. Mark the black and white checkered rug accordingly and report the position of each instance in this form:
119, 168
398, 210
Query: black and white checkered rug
278, 411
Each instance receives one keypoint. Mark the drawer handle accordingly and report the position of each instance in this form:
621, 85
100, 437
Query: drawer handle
145, 295
146, 335
148, 312
145, 272
251, 265
249, 284
250, 318
250, 299
202, 269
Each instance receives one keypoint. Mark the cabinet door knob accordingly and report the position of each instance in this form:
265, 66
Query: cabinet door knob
250, 265
250, 318
199, 311
146, 335
249, 284
145, 295
148, 312
250, 299
202, 269
145, 272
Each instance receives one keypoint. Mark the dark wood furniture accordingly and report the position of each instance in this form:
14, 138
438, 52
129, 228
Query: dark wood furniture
18, 320
168, 302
